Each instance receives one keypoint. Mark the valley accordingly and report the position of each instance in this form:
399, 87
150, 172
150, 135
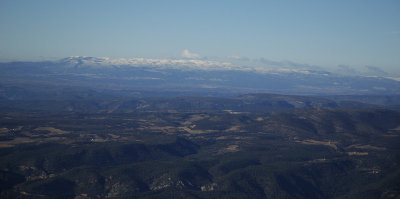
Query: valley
192, 150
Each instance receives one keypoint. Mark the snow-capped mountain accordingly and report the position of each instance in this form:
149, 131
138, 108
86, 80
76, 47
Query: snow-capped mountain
182, 64
139, 62
186, 75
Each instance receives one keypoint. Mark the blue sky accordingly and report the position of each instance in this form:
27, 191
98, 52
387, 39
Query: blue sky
352, 34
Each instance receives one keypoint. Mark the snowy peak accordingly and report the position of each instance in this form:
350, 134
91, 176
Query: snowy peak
181, 64
193, 74
139, 62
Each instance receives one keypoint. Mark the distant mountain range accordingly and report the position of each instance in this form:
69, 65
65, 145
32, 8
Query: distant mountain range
141, 77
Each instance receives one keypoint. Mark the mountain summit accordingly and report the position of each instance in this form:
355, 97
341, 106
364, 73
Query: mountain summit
188, 75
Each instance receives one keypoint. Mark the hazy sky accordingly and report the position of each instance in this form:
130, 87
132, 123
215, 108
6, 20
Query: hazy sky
348, 33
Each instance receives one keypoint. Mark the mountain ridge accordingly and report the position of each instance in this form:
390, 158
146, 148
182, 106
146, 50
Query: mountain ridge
187, 75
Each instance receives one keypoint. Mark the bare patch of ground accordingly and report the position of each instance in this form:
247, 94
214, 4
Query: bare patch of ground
234, 129
51, 129
232, 148
351, 153
4, 130
192, 131
317, 142
368, 147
